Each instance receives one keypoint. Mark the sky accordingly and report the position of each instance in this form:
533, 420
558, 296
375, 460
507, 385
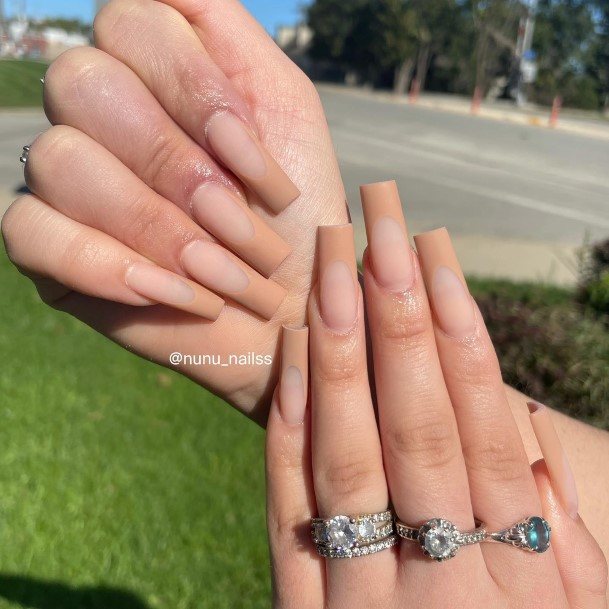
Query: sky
270, 13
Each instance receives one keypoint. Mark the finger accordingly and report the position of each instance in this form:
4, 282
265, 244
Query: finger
82, 180
347, 461
422, 452
298, 575
125, 118
581, 563
174, 65
47, 245
501, 484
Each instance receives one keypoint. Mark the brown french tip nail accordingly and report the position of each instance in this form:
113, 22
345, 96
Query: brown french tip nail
390, 253
241, 151
445, 283
231, 221
338, 291
165, 287
219, 270
293, 382
561, 474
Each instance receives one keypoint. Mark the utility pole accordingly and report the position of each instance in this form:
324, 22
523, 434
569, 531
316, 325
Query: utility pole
524, 51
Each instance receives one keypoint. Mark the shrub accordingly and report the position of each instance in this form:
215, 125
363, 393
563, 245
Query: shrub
594, 282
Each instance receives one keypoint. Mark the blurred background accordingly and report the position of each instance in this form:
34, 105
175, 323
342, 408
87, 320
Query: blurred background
123, 485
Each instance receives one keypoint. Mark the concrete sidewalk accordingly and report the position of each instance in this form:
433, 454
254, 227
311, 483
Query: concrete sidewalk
570, 121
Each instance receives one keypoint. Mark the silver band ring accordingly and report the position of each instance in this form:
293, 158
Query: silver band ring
440, 539
25, 154
350, 536
532, 534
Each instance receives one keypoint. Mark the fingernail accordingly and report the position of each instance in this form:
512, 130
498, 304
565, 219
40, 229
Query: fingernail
390, 253
337, 277
561, 475
241, 151
231, 221
167, 288
214, 267
445, 283
294, 374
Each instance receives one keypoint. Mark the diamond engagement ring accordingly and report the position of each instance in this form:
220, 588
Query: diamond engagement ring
532, 534
351, 536
440, 539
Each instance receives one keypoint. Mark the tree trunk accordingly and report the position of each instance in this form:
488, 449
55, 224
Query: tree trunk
481, 51
423, 65
402, 76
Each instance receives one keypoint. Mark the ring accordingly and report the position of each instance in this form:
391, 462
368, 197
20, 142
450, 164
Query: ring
532, 534
24, 154
350, 536
440, 539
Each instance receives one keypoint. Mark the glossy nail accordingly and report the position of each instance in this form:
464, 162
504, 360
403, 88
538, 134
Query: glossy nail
561, 475
338, 292
231, 221
445, 283
241, 151
293, 383
213, 266
390, 254
167, 288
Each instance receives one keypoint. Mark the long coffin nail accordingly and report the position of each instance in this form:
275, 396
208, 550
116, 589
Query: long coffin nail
214, 267
390, 253
231, 221
167, 288
445, 283
240, 150
555, 457
337, 277
293, 383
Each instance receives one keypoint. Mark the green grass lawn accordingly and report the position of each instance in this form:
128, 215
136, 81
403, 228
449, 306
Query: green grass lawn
122, 485
20, 84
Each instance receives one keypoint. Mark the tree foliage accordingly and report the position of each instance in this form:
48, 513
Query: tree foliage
456, 45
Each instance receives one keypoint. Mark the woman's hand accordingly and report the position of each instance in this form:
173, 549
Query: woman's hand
446, 445
165, 180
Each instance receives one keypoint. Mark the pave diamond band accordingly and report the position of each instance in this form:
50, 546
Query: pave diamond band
440, 539
349, 536
532, 534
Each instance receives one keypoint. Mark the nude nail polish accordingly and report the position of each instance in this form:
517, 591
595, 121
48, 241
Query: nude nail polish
240, 150
446, 286
561, 475
390, 253
230, 220
338, 287
213, 266
165, 287
293, 383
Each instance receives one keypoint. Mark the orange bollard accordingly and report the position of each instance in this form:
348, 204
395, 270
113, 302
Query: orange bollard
415, 89
556, 106
476, 100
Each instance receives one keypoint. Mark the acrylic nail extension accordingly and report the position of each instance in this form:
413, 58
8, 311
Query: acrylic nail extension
165, 287
555, 457
231, 221
241, 151
445, 283
338, 287
390, 253
293, 384
211, 265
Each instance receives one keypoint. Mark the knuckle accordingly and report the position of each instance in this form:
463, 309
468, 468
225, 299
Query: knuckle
496, 458
107, 21
347, 475
431, 443
342, 365
164, 155
406, 323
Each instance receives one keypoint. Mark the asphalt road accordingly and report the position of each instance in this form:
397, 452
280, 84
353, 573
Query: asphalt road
518, 199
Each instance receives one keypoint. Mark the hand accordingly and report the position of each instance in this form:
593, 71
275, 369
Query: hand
446, 443
137, 183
